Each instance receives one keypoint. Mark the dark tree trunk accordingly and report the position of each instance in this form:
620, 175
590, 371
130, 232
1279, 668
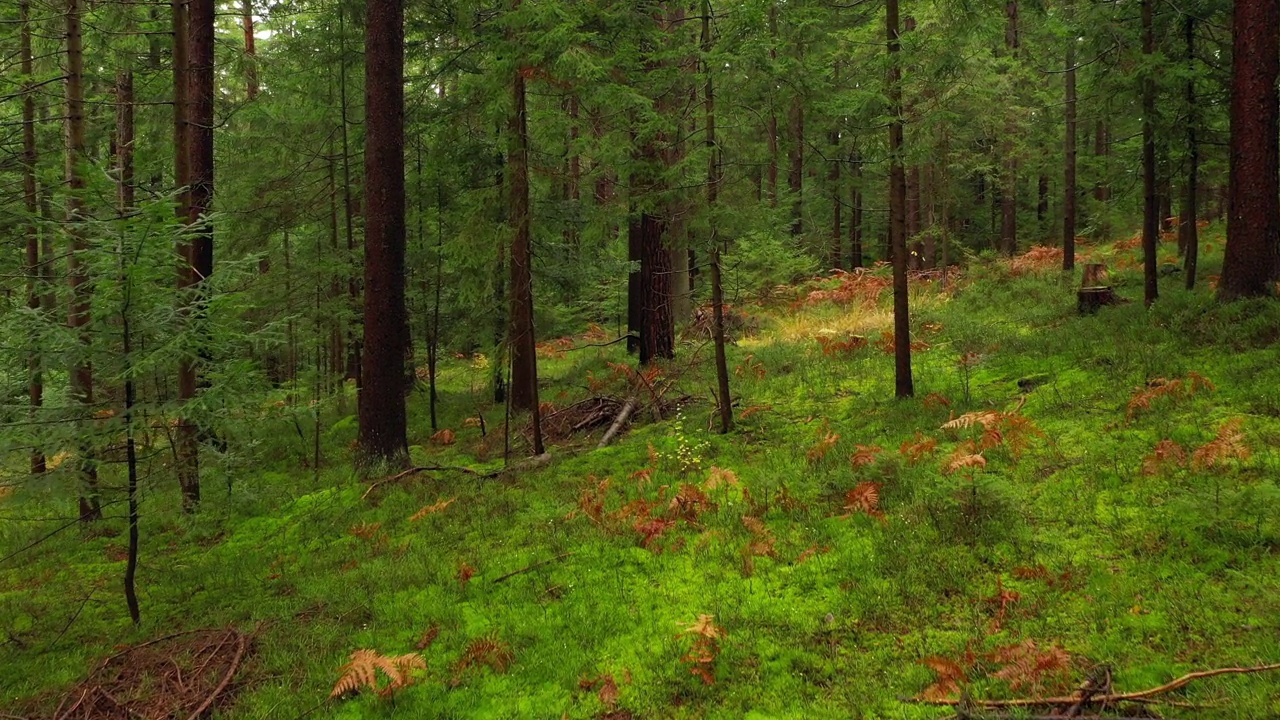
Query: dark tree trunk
31, 229
1252, 260
837, 225
1009, 180
250, 52
1188, 233
795, 178
125, 201
1070, 191
1042, 204
77, 271
855, 219
773, 108
520, 337
657, 327
382, 437
1151, 209
903, 386
198, 147
723, 398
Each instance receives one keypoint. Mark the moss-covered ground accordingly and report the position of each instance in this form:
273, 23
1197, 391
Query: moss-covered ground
870, 562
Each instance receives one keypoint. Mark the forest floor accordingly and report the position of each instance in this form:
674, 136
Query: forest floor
1105, 497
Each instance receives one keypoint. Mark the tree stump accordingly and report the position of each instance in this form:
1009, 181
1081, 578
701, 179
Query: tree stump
1089, 299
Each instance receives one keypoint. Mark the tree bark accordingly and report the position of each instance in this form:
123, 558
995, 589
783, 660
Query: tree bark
250, 52
31, 228
773, 108
903, 385
382, 437
1151, 208
837, 202
1070, 191
1252, 260
657, 328
77, 272
724, 400
795, 178
1188, 233
855, 204
1009, 178
520, 337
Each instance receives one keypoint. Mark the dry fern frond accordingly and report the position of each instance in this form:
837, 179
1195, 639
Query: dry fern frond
1158, 388
488, 651
950, 676
918, 448
864, 498
864, 455
985, 418
963, 457
1229, 444
1025, 665
362, 672
431, 509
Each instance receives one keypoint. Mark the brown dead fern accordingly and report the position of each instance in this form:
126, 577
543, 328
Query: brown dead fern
1229, 444
362, 672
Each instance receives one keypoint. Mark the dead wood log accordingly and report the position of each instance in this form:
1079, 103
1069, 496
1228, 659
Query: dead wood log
627, 408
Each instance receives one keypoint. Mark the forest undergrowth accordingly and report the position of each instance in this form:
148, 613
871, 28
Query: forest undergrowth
1064, 495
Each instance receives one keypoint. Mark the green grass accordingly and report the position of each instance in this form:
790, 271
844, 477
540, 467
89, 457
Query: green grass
1153, 575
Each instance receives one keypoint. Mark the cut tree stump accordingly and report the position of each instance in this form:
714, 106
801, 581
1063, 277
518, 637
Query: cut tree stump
1090, 299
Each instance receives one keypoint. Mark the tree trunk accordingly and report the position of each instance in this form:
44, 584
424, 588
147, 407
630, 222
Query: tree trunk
1009, 179
198, 150
855, 221
833, 179
903, 386
1252, 262
520, 337
795, 178
125, 203
1188, 233
77, 272
657, 329
31, 227
382, 437
1070, 191
1151, 209
723, 399
773, 108
250, 53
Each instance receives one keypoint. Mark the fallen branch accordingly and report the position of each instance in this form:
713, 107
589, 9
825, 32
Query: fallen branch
529, 568
241, 645
432, 468
1140, 696
627, 408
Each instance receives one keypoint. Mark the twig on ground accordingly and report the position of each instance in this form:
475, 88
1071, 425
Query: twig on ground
535, 566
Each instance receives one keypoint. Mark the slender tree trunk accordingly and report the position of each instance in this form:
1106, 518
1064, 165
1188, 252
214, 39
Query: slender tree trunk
833, 178
1009, 180
723, 399
250, 52
1252, 260
31, 226
903, 385
795, 178
382, 437
81, 291
1151, 209
125, 204
773, 108
198, 147
1070, 191
855, 205
520, 337
353, 344
1189, 234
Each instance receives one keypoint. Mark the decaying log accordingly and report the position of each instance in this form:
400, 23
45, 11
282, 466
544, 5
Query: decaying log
619, 422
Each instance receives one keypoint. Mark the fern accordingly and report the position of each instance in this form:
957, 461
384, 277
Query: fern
864, 498
918, 448
362, 672
1158, 388
1165, 453
865, 455
1228, 444
486, 651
